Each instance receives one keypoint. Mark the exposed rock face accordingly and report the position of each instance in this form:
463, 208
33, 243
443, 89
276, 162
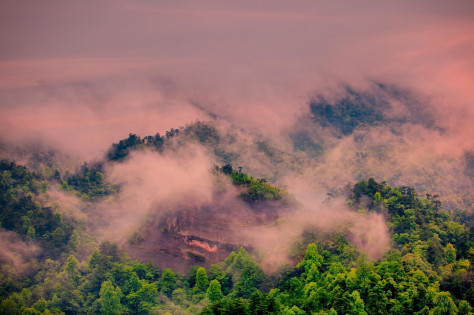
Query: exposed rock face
200, 234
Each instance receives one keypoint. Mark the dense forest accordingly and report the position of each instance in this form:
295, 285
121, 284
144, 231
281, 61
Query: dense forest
358, 109
428, 269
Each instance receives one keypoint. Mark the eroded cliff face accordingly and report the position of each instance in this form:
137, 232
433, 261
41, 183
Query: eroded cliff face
201, 234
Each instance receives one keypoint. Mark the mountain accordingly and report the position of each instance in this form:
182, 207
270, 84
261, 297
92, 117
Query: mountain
340, 213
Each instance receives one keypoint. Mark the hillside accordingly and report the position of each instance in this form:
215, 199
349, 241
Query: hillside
174, 224
428, 268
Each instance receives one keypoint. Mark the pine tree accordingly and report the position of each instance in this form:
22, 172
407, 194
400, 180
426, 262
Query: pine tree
201, 280
110, 299
214, 291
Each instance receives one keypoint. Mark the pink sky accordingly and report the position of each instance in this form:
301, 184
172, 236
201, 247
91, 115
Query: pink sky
90, 72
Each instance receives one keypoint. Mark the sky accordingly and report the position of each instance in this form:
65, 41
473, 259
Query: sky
80, 75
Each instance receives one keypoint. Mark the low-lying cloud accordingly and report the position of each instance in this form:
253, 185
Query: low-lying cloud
367, 232
16, 252
151, 184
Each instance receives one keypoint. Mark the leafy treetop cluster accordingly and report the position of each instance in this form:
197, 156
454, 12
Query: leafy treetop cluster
120, 150
368, 109
89, 182
204, 133
349, 112
422, 230
254, 189
22, 213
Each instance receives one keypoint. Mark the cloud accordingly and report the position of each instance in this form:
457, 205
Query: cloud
84, 118
152, 185
367, 232
67, 204
15, 251
253, 64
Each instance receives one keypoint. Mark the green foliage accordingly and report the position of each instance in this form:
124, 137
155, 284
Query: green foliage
246, 273
144, 298
94, 258
202, 282
450, 253
71, 267
167, 282
229, 305
203, 132
424, 233
214, 291
302, 141
464, 308
392, 285
120, 150
8, 306
155, 141
254, 190
217, 272
110, 299
311, 263
90, 182
428, 271
31, 232
348, 113
358, 108
443, 304
22, 213
355, 305
261, 303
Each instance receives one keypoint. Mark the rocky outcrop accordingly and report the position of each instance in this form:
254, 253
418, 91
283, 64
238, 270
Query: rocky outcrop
201, 234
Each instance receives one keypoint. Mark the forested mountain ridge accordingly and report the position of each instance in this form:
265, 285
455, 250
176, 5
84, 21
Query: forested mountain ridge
201, 220
429, 269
